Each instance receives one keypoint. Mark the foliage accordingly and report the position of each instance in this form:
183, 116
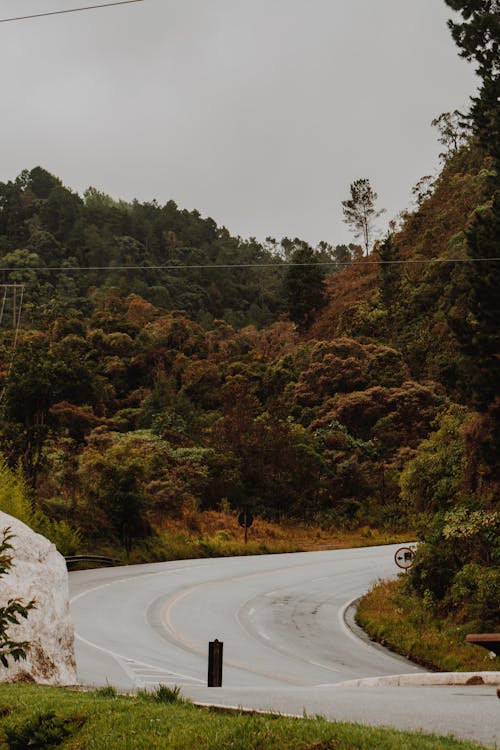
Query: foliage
138, 400
15, 500
47, 730
478, 35
475, 592
461, 549
12, 611
303, 286
453, 131
394, 615
44, 224
433, 478
359, 211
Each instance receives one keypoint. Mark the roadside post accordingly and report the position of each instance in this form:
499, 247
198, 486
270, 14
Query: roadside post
245, 519
215, 649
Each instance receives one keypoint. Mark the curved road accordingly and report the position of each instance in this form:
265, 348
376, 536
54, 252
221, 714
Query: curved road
286, 643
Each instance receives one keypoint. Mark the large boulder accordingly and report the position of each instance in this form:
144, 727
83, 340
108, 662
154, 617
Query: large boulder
39, 572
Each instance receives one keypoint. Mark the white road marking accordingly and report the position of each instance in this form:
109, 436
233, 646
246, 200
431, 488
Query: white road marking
345, 627
324, 666
123, 660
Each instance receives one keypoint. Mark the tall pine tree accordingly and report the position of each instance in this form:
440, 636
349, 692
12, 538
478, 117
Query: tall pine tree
478, 37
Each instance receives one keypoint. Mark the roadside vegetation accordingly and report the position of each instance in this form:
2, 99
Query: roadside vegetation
142, 410
393, 615
39, 717
218, 534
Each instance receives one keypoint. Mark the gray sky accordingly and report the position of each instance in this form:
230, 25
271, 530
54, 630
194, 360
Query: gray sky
259, 113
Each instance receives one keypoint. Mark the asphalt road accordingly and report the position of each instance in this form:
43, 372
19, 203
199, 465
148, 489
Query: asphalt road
286, 643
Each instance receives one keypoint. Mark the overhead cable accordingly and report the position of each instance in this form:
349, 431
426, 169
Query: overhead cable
277, 264
69, 10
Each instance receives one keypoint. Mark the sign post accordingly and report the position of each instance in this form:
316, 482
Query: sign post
215, 663
245, 519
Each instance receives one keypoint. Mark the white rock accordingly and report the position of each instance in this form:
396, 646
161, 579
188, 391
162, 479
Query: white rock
39, 572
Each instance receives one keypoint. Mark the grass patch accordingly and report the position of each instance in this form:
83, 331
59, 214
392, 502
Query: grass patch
163, 694
44, 731
99, 722
400, 620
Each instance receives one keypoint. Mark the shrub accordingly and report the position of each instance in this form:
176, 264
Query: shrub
12, 611
476, 591
44, 731
15, 500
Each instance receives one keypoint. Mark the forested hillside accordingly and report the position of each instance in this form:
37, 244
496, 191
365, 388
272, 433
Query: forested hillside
153, 366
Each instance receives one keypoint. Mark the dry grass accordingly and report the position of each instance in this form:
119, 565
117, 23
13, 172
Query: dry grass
402, 622
218, 527
211, 533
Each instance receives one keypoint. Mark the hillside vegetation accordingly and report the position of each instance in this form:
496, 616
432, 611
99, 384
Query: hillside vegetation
140, 388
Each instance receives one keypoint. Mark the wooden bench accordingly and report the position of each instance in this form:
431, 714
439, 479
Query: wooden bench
491, 641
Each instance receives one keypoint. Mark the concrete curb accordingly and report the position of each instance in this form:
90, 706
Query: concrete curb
425, 679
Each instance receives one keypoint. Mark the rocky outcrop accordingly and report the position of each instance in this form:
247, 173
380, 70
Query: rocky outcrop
39, 572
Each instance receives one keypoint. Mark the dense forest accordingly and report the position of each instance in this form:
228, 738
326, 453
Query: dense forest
152, 365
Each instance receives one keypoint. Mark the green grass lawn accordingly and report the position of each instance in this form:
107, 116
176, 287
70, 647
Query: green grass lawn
33, 717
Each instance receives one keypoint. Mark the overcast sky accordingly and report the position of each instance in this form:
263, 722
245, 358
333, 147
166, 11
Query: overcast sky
259, 113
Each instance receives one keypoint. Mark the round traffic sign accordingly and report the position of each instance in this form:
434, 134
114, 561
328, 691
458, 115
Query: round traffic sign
245, 519
403, 557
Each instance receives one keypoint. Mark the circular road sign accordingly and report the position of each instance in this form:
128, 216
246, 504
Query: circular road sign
404, 557
245, 519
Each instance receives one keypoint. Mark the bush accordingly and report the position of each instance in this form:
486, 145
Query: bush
476, 592
47, 730
12, 610
15, 500
434, 568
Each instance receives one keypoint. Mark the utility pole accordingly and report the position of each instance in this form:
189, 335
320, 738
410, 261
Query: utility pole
15, 298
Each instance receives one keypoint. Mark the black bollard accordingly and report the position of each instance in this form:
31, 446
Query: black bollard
215, 663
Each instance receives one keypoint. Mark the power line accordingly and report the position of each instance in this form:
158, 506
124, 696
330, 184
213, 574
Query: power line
277, 264
70, 10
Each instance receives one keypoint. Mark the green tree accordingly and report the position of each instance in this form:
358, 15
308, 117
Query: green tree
433, 478
478, 37
482, 343
303, 286
12, 611
41, 375
112, 470
360, 212
123, 500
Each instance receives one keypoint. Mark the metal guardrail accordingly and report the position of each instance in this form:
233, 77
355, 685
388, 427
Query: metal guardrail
491, 641
101, 560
